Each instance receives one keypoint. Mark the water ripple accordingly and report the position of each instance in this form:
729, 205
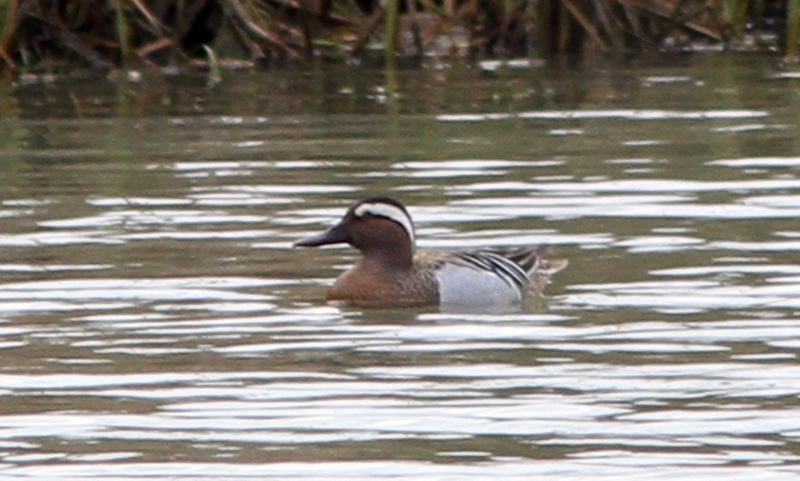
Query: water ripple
156, 323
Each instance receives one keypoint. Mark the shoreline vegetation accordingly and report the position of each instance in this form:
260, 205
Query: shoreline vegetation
47, 35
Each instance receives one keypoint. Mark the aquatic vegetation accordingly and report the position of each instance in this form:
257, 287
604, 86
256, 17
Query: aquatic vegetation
103, 33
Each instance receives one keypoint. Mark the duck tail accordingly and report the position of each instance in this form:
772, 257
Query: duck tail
532, 260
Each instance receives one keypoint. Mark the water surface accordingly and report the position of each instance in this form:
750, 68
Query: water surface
156, 323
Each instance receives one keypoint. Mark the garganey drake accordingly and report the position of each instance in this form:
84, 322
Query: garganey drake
391, 273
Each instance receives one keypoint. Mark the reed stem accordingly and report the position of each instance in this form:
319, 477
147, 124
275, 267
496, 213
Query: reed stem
122, 31
392, 27
792, 28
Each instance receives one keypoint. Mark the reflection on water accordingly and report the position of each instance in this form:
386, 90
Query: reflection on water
155, 322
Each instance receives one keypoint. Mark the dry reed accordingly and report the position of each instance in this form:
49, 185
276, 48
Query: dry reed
103, 33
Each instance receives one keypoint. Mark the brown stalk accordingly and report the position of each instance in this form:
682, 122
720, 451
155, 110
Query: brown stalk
253, 28
154, 47
158, 27
9, 31
363, 37
672, 13
585, 23
612, 31
412, 13
255, 49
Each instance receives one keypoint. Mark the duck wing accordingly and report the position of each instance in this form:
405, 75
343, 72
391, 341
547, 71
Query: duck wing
494, 262
522, 268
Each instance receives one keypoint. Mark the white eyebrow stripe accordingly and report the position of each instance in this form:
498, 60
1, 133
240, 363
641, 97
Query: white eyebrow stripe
389, 211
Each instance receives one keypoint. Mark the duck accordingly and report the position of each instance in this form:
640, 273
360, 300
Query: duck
392, 272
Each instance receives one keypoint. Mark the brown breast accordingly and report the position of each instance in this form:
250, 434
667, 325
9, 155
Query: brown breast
370, 287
